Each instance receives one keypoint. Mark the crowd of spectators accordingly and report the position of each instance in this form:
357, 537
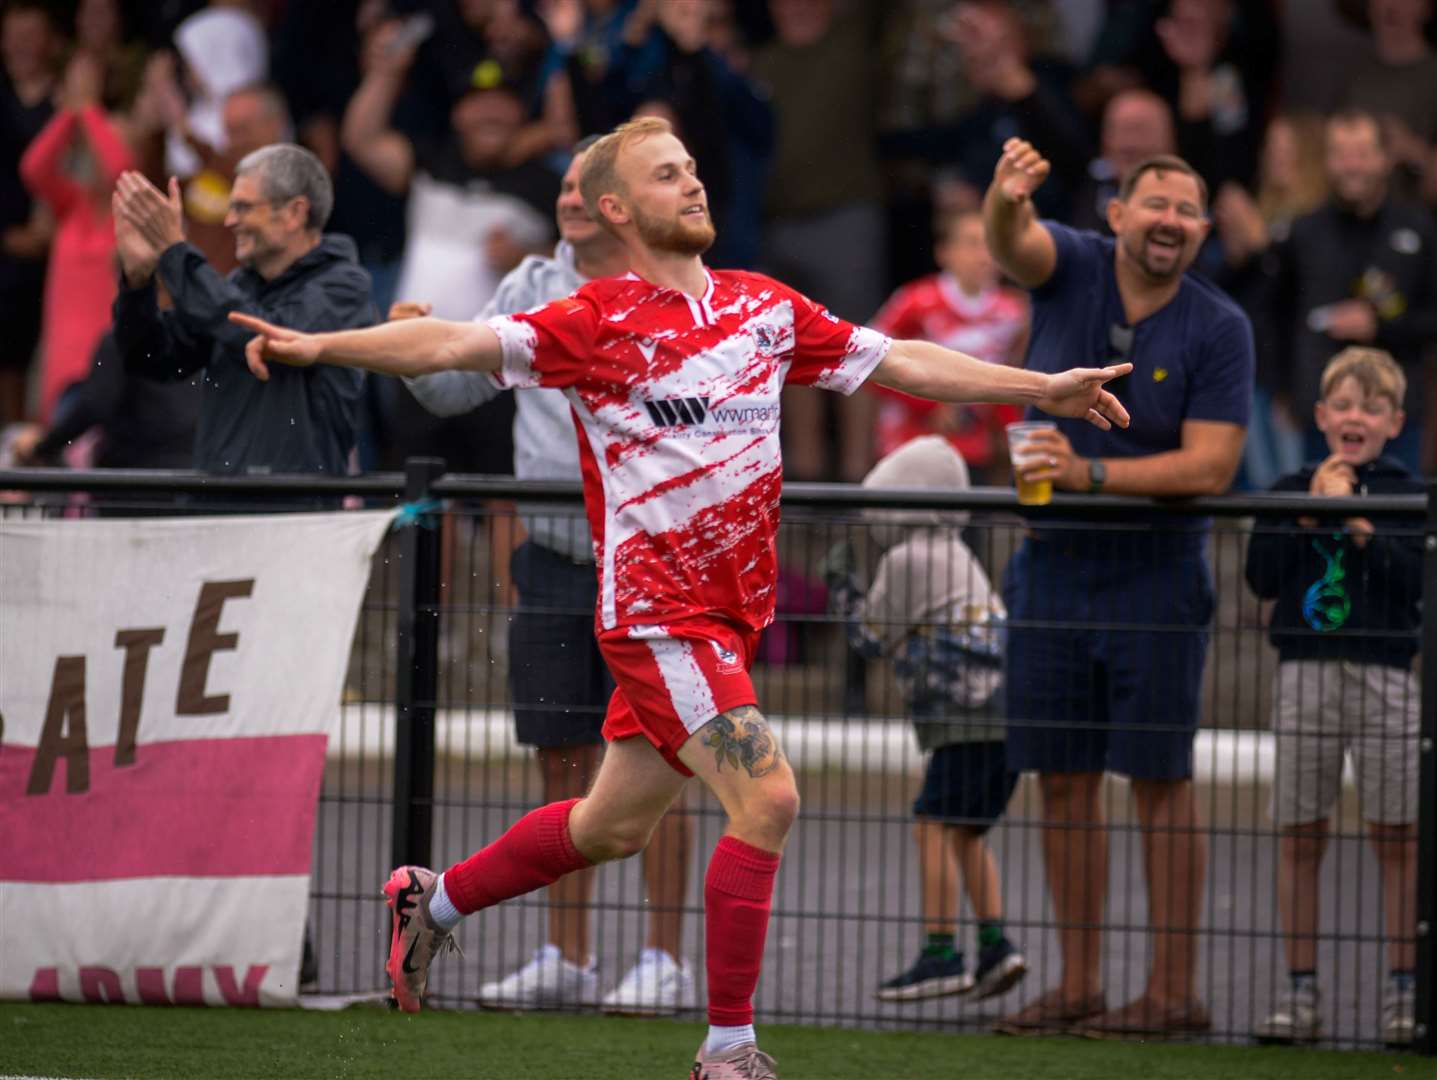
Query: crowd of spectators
846, 146
838, 139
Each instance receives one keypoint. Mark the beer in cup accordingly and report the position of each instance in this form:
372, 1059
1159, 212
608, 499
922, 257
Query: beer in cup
1030, 492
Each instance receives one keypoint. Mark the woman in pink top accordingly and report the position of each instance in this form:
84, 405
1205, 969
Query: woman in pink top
72, 166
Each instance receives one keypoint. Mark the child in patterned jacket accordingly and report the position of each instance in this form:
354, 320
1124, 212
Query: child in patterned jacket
933, 614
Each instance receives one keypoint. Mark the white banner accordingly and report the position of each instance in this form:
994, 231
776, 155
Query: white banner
166, 690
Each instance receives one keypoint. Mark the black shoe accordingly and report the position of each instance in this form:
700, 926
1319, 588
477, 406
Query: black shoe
308, 966
929, 977
1000, 968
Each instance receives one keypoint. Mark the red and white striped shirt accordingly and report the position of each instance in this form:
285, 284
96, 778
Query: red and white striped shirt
991, 326
677, 403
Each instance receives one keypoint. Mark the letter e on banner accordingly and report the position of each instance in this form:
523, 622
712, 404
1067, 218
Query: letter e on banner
206, 640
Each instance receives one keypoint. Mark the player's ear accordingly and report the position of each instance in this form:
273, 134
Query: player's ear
613, 208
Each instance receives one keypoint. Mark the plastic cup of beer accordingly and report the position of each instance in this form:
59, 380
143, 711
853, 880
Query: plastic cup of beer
1020, 452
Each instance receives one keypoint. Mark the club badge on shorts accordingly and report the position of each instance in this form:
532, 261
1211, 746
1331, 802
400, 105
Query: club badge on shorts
729, 662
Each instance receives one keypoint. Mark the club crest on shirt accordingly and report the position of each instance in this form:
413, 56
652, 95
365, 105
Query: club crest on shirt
770, 339
728, 661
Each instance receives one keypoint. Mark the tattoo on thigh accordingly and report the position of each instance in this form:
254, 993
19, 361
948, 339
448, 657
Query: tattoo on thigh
742, 737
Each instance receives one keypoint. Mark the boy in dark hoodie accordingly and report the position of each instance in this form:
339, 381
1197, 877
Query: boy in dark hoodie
1346, 626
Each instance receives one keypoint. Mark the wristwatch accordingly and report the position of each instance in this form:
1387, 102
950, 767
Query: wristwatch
1097, 476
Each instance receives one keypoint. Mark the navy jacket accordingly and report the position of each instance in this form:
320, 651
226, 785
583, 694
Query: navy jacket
143, 424
1335, 600
303, 420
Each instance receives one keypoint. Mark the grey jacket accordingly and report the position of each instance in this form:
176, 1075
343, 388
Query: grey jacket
546, 445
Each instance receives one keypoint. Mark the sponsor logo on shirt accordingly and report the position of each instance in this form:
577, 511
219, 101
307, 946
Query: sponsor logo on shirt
678, 412
695, 412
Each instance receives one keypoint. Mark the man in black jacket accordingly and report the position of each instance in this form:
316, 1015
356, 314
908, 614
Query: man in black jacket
300, 421
143, 424
1360, 270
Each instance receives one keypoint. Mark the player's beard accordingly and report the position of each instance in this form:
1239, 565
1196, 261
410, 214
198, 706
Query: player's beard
678, 236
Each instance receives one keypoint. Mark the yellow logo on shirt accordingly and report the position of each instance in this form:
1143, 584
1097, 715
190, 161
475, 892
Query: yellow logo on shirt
1159, 374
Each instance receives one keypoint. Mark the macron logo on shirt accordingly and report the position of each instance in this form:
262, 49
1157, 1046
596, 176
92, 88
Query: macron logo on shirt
678, 412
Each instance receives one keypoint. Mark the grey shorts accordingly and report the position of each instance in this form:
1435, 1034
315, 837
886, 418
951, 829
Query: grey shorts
1325, 709
559, 683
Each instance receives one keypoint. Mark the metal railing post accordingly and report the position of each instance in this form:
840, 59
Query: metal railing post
417, 680
1425, 1031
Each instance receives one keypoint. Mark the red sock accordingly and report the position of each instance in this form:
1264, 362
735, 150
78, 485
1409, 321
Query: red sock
536, 851
738, 893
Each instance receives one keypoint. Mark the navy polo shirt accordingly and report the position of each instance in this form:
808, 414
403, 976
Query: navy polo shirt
1192, 359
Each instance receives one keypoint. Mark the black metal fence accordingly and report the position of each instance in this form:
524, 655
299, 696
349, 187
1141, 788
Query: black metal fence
423, 765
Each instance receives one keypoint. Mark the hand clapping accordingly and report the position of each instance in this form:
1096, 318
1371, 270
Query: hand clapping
147, 222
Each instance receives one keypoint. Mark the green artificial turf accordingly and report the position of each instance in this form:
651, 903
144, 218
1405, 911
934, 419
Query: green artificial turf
102, 1042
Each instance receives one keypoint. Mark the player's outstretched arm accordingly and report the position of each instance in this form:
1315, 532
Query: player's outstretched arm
930, 371
409, 347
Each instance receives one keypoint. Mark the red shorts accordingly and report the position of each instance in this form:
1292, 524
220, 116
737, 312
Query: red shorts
673, 679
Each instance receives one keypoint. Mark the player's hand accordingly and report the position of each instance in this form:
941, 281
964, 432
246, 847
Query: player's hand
1334, 478
275, 343
1020, 171
1078, 392
1048, 455
409, 309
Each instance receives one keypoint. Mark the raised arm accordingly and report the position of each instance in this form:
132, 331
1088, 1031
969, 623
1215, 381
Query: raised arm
40, 165
1019, 242
384, 153
407, 348
931, 371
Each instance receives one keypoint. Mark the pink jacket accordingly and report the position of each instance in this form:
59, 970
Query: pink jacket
80, 282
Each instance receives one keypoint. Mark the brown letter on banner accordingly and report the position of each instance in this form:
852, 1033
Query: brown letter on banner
205, 641
67, 702
137, 645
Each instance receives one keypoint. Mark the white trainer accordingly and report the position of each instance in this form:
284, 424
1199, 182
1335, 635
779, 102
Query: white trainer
546, 982
657, 985
1296, 1017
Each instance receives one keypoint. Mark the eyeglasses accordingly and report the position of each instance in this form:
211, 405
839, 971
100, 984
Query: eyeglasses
244, 207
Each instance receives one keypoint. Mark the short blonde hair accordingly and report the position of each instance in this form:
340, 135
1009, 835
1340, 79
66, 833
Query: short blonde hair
599, 175
1374, 369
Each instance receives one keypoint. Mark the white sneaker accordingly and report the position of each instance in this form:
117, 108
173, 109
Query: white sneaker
1296, 1017
546, 982
1399, 1012
656, 986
